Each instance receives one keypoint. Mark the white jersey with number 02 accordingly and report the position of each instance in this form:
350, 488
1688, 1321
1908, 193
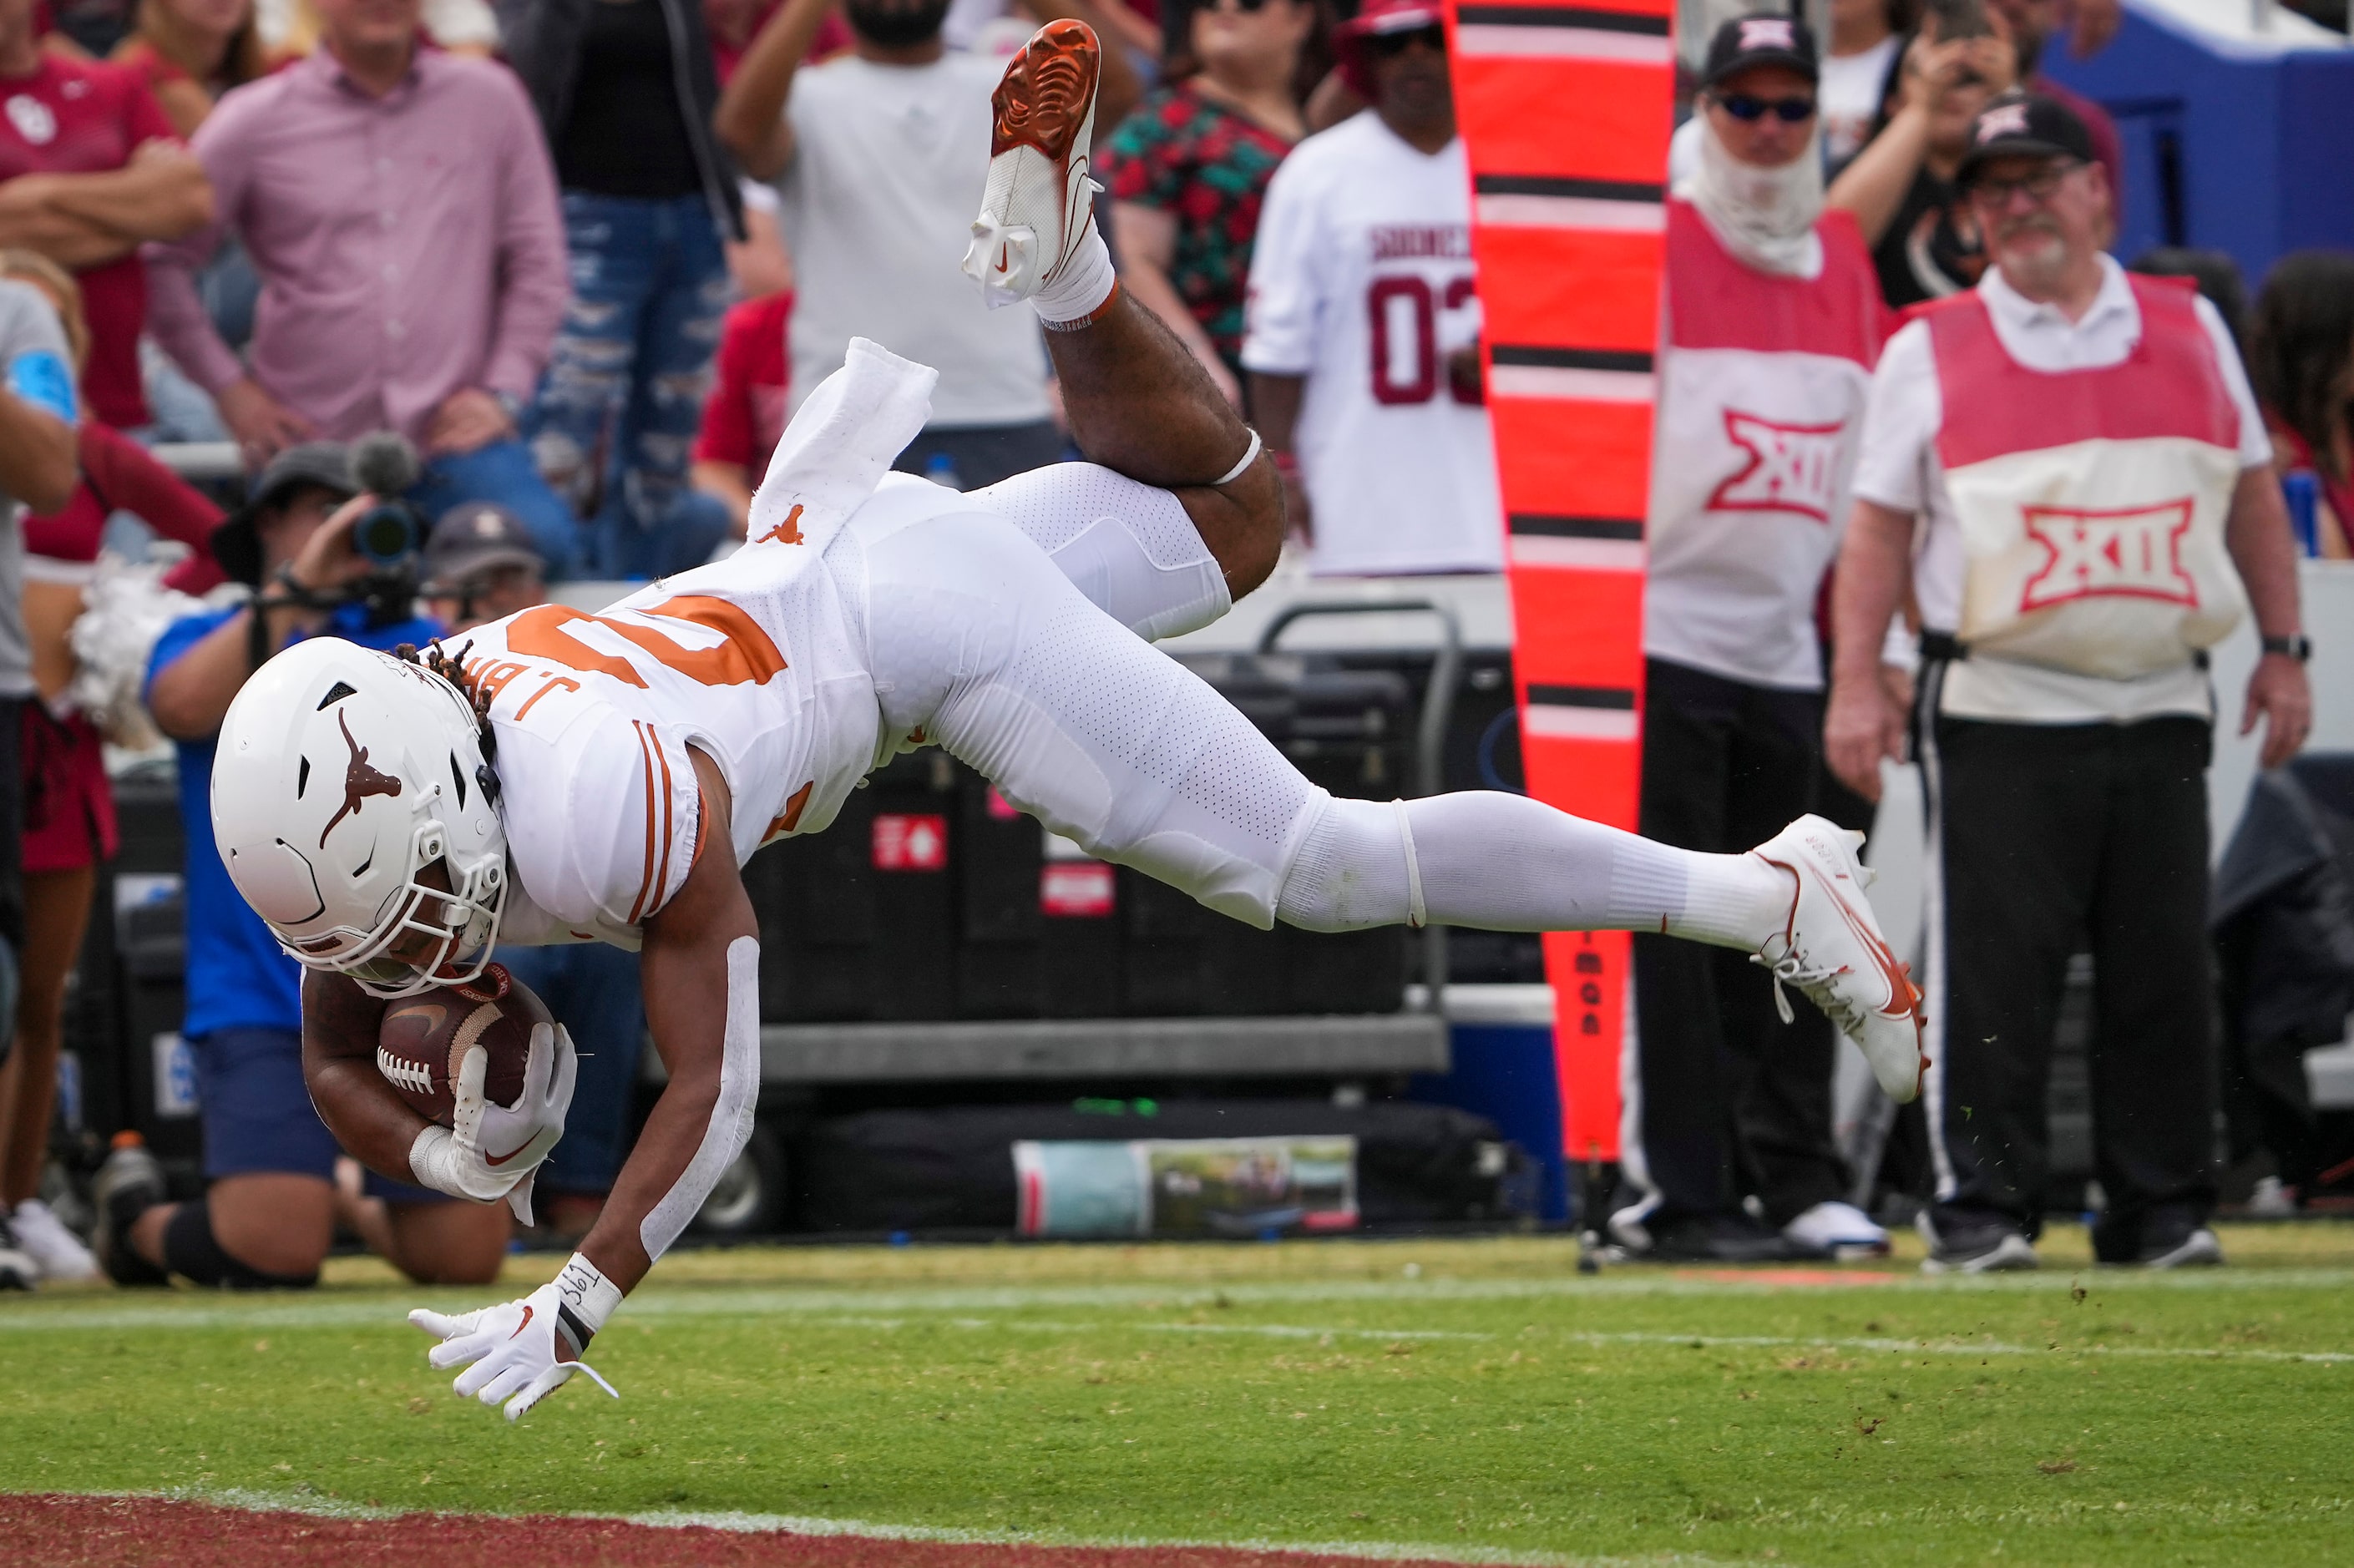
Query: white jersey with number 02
1361, 283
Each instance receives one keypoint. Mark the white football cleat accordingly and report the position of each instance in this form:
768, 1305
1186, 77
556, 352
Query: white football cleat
1839, 1229
1831, 948
1039, 202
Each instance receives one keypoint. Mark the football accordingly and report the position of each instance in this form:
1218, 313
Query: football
423, 1041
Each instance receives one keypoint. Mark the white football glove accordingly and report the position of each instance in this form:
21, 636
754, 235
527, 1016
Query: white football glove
492, 1151
520, 1354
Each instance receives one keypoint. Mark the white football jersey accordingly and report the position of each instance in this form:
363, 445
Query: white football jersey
1361, 283
755, 664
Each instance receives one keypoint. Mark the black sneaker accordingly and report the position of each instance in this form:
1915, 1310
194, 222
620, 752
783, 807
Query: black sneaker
2169, 1236
2163, 1238
2198, 1249
1725, 1238
1974, 1241
128, 1184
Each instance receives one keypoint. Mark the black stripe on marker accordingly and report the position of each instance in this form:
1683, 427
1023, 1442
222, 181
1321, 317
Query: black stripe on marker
1575, 527
1559, 17
1614, 697
1584, 190
1572, 359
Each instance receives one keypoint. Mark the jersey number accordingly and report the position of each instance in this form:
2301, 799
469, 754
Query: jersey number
744, 655
1408, 303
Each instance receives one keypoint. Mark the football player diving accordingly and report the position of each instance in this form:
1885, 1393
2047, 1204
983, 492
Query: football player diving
569, 777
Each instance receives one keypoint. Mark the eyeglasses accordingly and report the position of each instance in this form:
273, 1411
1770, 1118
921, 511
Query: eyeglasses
1246, 7
1788, 111
2039, 185
1389, 44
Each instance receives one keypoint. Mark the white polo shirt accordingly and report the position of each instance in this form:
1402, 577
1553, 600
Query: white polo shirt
1899, 468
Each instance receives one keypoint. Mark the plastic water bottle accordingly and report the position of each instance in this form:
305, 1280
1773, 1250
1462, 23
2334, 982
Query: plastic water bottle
941, 471
2299, 490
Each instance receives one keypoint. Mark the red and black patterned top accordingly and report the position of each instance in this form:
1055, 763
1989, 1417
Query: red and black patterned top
1208, 167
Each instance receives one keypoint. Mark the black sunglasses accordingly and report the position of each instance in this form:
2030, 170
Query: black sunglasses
2040, 186
1788, 111
1387, 45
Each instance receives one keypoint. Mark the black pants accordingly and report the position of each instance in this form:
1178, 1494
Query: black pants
2046, 840
1729, 1100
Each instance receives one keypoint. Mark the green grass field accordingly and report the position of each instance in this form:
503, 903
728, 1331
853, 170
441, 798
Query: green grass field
1473, 1398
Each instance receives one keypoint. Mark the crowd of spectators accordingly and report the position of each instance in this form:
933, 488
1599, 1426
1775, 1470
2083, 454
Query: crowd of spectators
588, 256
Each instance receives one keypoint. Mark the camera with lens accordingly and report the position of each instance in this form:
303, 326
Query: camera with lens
390, 536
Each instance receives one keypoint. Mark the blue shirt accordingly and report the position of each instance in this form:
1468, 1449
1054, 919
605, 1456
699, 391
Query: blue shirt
237, 976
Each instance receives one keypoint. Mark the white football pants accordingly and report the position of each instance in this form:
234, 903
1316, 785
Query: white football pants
1009, 625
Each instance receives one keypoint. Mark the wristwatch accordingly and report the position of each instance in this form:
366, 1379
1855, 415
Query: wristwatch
2297, 646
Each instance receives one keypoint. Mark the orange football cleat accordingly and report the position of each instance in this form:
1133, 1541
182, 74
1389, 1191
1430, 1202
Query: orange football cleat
1038, 205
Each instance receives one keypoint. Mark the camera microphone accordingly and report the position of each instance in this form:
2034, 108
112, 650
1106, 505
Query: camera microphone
383, 465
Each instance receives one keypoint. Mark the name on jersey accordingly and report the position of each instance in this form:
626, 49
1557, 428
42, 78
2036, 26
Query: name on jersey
1790, 468
1427, 242
2129, 552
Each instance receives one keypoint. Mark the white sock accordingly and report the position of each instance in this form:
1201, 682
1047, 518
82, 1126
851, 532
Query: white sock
1076, 294
1505, 863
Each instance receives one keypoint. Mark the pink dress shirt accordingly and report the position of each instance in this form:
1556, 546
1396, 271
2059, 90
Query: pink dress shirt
409, 245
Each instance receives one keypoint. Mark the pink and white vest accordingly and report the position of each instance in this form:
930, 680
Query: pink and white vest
1763, 381
2092, 502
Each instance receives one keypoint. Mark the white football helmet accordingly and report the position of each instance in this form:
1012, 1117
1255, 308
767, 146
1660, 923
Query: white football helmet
346, 785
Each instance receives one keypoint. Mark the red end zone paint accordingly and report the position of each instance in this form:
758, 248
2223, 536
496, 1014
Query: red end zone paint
54, 1530
1565, 113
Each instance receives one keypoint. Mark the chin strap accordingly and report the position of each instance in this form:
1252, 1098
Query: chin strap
731, 1113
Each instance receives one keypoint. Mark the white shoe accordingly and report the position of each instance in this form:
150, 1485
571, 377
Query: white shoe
18, 1269
1039, 204
1839, 1229
2271, 1199
1625, 1226
1831, 948
58, 1253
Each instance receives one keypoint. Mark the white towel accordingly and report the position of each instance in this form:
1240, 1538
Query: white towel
839, 447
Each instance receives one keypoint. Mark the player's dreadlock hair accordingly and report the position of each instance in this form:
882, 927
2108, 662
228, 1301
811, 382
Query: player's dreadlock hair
438, 661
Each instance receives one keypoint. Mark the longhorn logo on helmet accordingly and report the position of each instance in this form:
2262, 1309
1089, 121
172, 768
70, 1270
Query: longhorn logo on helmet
360, 781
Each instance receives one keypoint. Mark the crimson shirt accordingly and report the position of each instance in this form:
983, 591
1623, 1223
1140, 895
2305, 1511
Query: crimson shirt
73, 116
745, 412
118, 474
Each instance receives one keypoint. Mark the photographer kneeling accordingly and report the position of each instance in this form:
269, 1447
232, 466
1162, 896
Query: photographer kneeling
269, 1209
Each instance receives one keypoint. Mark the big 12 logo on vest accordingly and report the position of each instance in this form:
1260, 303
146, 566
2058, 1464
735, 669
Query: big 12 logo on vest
2133, 552
1791, 468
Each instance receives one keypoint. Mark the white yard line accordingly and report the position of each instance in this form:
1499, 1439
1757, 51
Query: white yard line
732, 1520
951, 1303
1326, 1334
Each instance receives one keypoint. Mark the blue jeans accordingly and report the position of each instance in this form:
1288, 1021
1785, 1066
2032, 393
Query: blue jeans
592, 989
623, 396
504, 474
